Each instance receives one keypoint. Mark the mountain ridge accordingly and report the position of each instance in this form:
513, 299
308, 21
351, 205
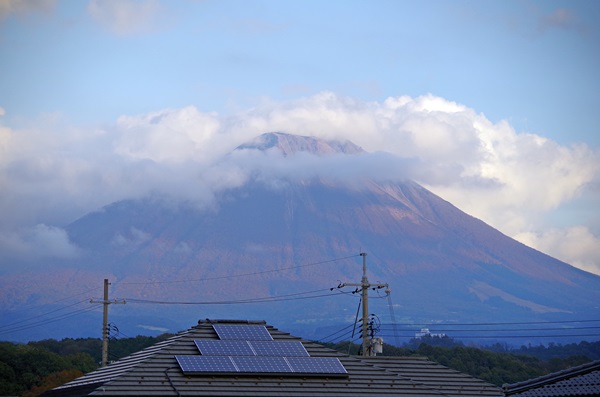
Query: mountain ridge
304, 235
289, 144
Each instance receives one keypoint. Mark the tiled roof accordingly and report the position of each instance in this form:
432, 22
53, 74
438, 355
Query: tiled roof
583, 380
434, 375
155, 372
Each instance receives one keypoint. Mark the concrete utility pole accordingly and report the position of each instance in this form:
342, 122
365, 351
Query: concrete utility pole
106, 302
367, 345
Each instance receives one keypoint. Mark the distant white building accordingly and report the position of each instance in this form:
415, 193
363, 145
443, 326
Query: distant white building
425, 333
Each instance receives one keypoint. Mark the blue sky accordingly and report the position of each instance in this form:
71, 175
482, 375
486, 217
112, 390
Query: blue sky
497, 99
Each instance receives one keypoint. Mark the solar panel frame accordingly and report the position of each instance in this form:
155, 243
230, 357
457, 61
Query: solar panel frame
242, 332
279, 348
211, 347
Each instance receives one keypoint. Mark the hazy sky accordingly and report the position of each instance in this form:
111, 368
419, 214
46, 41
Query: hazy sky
492, 102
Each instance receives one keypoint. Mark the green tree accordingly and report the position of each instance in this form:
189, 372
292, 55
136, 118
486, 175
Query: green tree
53, 380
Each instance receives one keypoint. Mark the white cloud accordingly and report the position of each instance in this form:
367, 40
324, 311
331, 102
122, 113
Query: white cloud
51, 173
575, 245
126, 17
153, 328
169, 135
516, 177
40, 241
134, 237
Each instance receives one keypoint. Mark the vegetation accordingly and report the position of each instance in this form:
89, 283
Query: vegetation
496, 364
29, 370
92, 346
496, 368
25, 367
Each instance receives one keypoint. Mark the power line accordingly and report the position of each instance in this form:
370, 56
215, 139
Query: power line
497, 323
46, 304
57, 301
516, 336
14, 323
241, 274
268, 299
345, 329
478, 333
506, 330
346, 336
47, 321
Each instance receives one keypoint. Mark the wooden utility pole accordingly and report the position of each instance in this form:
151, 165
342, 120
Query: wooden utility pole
367, 346
106, 302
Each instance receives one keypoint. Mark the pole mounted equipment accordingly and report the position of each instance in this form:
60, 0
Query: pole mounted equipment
367, 340
105, 329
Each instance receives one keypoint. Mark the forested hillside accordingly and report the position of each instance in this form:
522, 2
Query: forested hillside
28, 370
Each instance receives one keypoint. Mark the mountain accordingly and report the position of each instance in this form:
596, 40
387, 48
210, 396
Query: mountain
290, 144
296, 239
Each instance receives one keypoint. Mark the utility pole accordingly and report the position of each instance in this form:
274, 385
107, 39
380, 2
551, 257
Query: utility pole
106, 302
367, 345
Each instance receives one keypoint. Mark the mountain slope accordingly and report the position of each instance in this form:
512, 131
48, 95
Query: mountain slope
268, 239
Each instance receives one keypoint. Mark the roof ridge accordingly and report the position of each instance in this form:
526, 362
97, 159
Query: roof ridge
418, 358
229, 321
553, 376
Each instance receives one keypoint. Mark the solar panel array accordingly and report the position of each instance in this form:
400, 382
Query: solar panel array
250, 349
211, 365
242, 332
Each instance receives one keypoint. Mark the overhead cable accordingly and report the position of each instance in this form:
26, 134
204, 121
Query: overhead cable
267, 299
38, 317
239, 275
47, 321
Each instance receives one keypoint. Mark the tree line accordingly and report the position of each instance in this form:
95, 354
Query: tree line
30, 369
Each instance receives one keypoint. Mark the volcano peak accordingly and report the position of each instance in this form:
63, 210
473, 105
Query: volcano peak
290, 144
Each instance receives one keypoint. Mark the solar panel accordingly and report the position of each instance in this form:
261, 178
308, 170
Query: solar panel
279, 348
316, 365
201, 364
251, 348
224, 347
262, 364
242, 332
226, 365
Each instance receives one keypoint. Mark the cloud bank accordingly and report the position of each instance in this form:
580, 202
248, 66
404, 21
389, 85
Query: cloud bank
52, 172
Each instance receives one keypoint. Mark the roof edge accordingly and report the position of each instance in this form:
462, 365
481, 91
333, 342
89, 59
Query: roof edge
552, 377
227, 321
